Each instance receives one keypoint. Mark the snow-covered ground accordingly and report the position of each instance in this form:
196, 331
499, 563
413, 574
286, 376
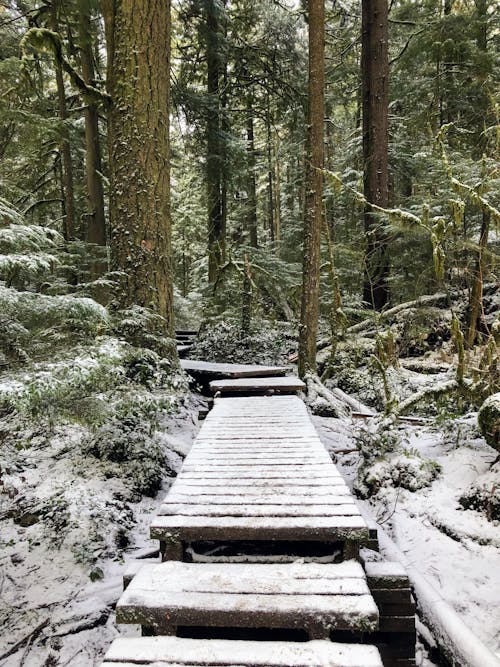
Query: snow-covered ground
457, 550
48, 602
60, 617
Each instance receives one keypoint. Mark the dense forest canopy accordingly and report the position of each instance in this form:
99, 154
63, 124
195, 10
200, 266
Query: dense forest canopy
238, 150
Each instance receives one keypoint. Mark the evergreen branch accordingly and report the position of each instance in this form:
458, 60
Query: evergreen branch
42, 40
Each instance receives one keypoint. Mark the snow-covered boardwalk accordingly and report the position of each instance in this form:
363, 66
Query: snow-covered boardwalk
257, 475
258, 471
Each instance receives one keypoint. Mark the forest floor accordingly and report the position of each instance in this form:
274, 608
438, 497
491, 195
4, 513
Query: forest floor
57, 616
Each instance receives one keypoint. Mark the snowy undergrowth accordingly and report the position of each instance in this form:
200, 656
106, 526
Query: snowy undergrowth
456, 549
89, 408
265, 343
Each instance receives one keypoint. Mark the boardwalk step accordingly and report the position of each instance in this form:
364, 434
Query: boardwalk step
218, 370
314, 597
173, 651
261, 385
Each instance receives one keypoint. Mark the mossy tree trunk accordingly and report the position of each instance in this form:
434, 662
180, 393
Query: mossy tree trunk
375, 89
215, 169
138, 39
67, 163
476, 294
313, 189
251, 221
96, 225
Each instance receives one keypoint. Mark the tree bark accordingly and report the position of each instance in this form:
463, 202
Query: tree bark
67, 164
375, 77
314, 190
476, 295
214, 163
138, 37
96, 226
251, 184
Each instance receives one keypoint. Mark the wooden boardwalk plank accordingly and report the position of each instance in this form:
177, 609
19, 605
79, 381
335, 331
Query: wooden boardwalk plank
301, 595
260, 499
305, 528
230, 370
249, 384
256, 510
178, 652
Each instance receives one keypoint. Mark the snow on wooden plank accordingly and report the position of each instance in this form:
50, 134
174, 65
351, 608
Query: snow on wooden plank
301, 473
266, 465
269, 459
196, 509
283, 485
301, 528
230, 370
175, 651
341, 497
252, 579
258, 384
235, 595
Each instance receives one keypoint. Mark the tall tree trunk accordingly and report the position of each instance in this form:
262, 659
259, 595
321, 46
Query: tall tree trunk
251, 184
476, 295
270, 171
314, 189
214, 164
138, 36
67, 164
96, 226
375, 78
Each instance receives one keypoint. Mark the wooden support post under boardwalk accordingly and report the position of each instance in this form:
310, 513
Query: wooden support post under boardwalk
171, 549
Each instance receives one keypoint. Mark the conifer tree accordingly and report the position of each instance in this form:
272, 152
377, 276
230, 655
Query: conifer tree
314, 189
138, 39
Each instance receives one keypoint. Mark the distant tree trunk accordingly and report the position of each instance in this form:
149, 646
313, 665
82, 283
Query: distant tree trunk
96, 228
214, 166
67, 164
251, 184
476, 295
138, 37
375, 78
314, 190
270, 172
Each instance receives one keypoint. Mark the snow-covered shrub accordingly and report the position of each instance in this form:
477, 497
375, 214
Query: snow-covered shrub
56, 391
126, 443
143, 328
147, 368
224, 340
13, 339
388, 461
352, 372
419, 330
484, 494
407, 470
489, 421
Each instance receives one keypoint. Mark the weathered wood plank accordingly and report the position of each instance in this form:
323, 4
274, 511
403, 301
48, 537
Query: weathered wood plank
177, 652
230, 370
250, 595
196, 509
259, 528
257, 384
340, 498
257, 485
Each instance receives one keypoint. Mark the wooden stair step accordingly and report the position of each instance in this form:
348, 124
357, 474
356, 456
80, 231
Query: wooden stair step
177, 652
299, 528
220, 370
314, 597
249, 384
